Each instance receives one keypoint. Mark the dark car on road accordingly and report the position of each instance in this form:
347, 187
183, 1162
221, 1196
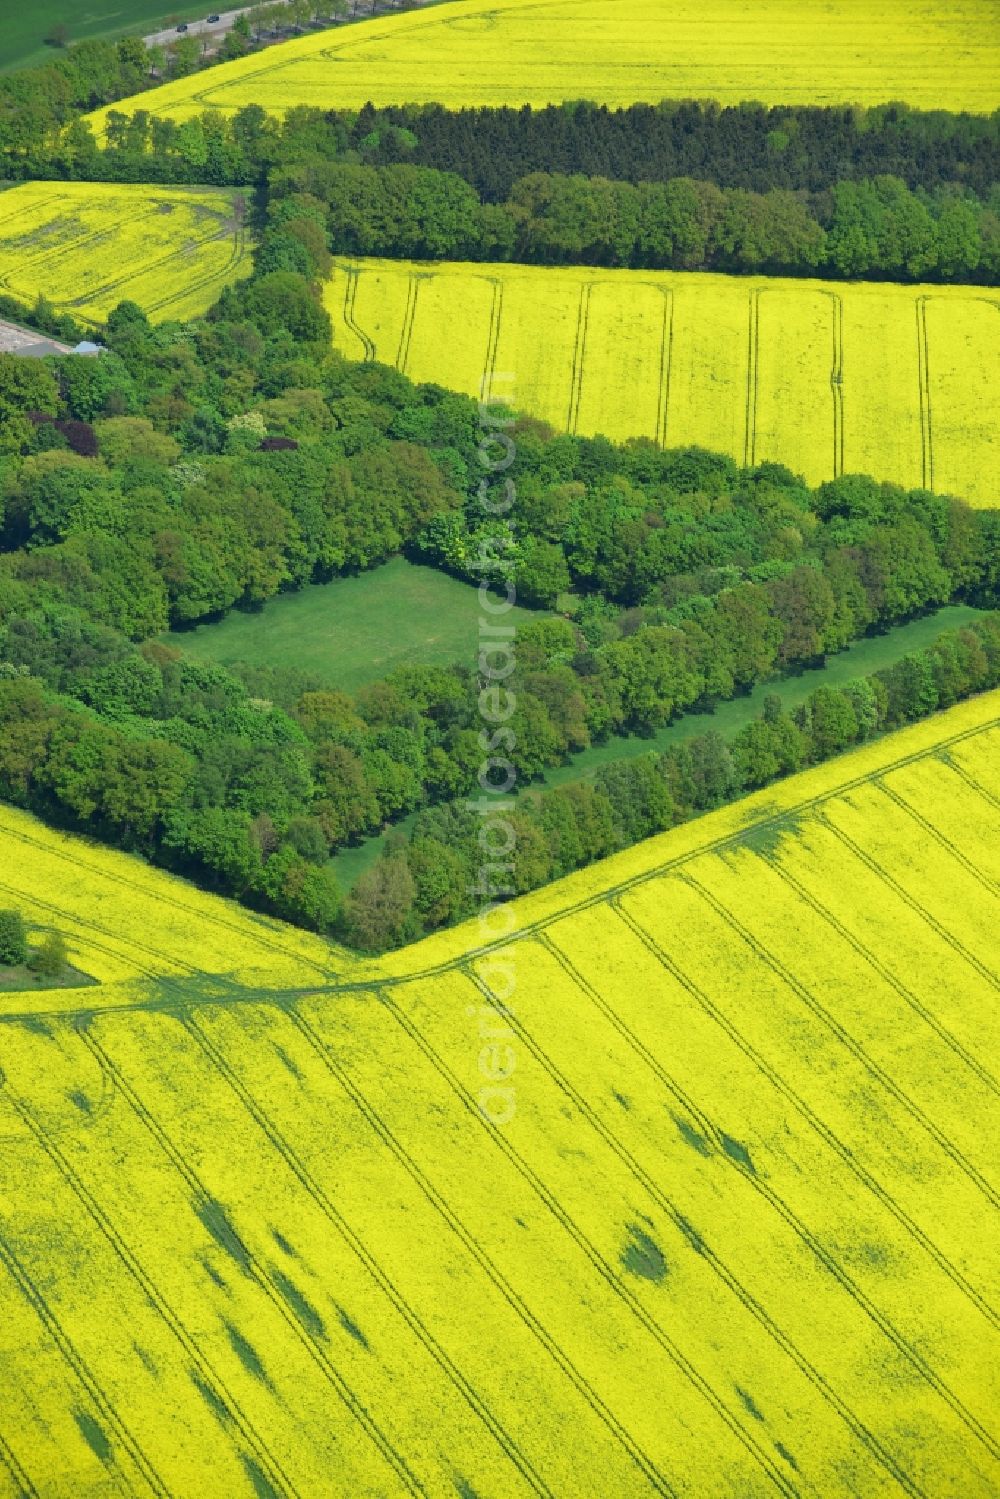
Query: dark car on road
211, 19
183, 26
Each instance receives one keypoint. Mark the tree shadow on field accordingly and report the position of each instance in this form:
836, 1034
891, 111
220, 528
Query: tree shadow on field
169, 993
766, 838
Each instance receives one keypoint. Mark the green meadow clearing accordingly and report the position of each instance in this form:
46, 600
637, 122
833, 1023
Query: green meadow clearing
354, 630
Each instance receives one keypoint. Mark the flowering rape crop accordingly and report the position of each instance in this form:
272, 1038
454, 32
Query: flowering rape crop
825, 377
735, 1234
514, 52
86, 246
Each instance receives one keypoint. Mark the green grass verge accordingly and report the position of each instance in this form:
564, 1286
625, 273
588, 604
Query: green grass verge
860, 659
23, 28
15, 980
354, 630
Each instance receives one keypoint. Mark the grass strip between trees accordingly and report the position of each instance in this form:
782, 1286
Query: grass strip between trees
874, 653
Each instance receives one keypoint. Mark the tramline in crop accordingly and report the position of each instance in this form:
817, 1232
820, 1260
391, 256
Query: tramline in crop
825, 377
751, 1156
515, 52
87, 246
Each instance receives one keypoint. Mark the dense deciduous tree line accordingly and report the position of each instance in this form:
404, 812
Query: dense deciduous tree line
44, 317
661, 527
874, 229
240, 455
749, 146
436, 874
195, 468
888, 192
41, 106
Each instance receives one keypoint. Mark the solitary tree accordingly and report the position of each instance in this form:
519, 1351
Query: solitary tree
49, 960
379, 908
13, 939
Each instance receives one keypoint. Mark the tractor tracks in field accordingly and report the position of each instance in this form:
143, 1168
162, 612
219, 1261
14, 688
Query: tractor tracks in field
81, 242
310, 1341
940, 838
647, 1467
903, 1347
756, 1181
221, 1397
21, 1484
159, 263
680, 1221
973, 785
185, 1009
370, 1264
203, 96
890, 979
331, 983
579, 355
753, 377
664, 353
82, 1373
470, 1243
666, 364
237, 928
28, 211
924, 370
923, 379
847, 1157
488, 391
830, 1023
175, 998
151, 1293
176, 1004
584, 1244
708, 1127
327, 1207
413, 281
751, 453
352, 275
237, 255
837, 381
862, 855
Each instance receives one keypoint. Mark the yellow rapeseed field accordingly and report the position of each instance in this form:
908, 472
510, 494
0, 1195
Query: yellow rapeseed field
513, 52
683, 1185
88, 245
898, 381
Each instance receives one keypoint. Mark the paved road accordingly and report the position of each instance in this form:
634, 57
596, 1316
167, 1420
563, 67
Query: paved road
358, 10
196, 28
17, 340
